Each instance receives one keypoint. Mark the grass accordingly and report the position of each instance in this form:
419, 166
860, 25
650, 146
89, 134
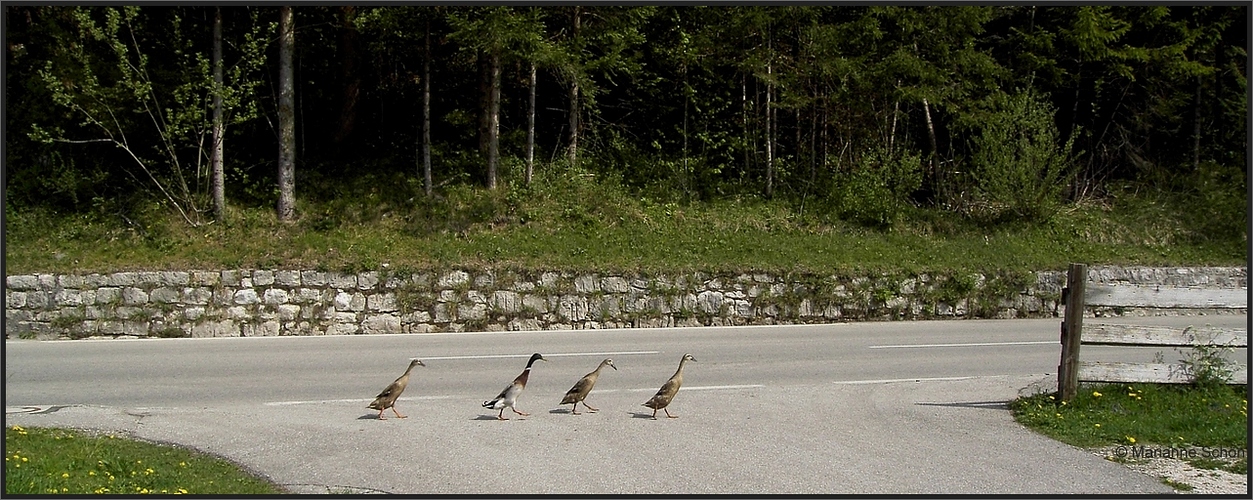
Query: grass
1141, 414
41, 461
1205, 425
574, 222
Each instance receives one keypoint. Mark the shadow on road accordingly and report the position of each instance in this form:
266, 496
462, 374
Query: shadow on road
992, 405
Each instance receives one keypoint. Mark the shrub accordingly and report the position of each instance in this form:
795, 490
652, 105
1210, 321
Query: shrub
1019, 166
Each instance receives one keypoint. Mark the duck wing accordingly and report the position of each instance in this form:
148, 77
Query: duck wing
579, 391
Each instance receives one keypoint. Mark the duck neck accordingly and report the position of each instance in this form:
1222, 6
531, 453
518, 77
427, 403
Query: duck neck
680, 370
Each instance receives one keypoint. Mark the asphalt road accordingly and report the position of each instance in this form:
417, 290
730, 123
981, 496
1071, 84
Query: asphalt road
895, 407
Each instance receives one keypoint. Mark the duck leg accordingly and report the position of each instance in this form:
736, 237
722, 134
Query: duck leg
515, 410
589, 408
575, 409
501, 415
398, 415
654, 414
381, 417
668, 415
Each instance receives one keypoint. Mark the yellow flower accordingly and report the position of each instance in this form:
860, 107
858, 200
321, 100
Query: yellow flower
182, 464
65, 474
1096, 394
24, 459
1063, 403
1098, 425
91, 473
183, 491
1131, 440
1132, 395
17, 428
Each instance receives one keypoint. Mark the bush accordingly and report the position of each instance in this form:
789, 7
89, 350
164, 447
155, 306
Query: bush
1020, 168
876, 193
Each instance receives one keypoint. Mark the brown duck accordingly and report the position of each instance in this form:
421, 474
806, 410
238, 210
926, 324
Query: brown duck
578, 393
387, 398
666, 394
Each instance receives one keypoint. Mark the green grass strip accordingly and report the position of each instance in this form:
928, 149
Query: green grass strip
64, 462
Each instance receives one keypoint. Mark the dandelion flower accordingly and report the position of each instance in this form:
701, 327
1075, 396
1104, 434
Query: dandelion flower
1096, 394
1131, 440
65, 474
1098, 425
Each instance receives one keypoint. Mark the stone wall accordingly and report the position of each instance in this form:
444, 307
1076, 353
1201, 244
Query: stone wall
235, 303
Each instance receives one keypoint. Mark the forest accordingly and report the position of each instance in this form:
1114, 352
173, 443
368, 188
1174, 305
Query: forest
848, 114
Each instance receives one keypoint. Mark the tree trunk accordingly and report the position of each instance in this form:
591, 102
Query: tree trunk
485, 100
493, 122
573, 152
215, 158
352, 80
286, 118
926, 110
896, 111
748, 162
426, 115
530, 129
1196, 127
769, 137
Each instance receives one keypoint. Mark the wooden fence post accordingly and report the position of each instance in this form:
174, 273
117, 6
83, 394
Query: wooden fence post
1072, 331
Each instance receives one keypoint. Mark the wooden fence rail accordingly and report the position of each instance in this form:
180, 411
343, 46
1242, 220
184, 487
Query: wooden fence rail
1078, 294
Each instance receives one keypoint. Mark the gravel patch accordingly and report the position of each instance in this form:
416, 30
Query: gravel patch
1202, 481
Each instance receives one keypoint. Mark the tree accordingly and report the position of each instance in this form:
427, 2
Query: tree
286, 118
215, 160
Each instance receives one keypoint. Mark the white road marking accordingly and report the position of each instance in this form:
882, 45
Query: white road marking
975, 344
497, 356
890, 380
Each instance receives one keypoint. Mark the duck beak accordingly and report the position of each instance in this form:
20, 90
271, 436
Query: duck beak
614, 367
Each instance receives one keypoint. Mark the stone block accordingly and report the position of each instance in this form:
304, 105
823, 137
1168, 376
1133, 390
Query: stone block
132, 296
506, 301
288, 312
174, 278
14, 300
263, 329
384, 302
345, 301
22, 282
472, 311
453, 278
586, 283
381, 323
164, 295
238, 312
287, 278
262, 277
614, 284
367, 280
342, 329
193, 313
274, 296
709, 302
231, 277
70, 281
313, 278
204, 278
246, 296
198, 296
476, 297
343, 281
487, 279
36, 300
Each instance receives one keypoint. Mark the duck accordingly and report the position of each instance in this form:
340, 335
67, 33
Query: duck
578, 393
509, 396
666, 394
387, 398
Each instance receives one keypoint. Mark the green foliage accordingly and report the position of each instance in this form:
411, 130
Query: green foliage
876, 192
1141, 414
1020, 164
63, 462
